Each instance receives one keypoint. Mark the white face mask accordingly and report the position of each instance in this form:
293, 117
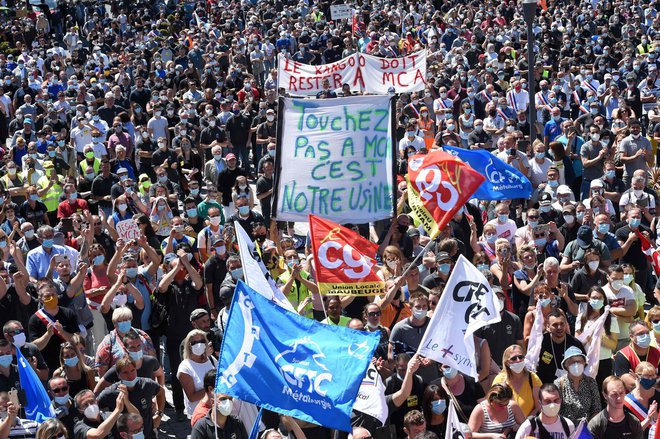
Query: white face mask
19, 339
92, 411
551, 409
517, 367
198, 348
224, 407
593, 265
576, 369
120, 300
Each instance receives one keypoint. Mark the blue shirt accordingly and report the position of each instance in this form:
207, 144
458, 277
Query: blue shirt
552, 129
38, 261
145, 290
609, 240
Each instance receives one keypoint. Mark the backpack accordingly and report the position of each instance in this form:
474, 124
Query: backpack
536, 424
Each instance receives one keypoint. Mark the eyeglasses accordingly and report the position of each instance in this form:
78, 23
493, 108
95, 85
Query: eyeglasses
517, 358
374, 314
532, 217
60, 389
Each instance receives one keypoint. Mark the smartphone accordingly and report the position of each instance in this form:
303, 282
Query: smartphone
522, 144
61, 258
67, 225
504, 251
13, 397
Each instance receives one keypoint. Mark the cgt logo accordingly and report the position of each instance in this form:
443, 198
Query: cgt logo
302, 366
333, 255
430, 184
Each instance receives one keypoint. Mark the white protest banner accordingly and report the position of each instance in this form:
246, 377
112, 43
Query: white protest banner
341, 12
405, 74
128, 229
335, 159
363, 73
371, 396
466, 304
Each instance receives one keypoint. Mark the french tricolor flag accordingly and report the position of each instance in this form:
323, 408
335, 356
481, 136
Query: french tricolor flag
582, 432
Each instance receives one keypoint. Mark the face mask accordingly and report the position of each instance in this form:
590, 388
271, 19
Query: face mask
596, 304
89, 154
124, 327
544, 302
643, 341
225, 407
553, 183
29, 234
61, 400
237, 273
502, 218
19, 339
130, 383
444, 268
34, 197
122, 207
483, 267
579, 216
92, 411
539, 155
12, 171
610, 174
292, 262
270, 118
135, 356
540, 242
638, 192
215, 221
198, 348
244, 210
628, 279
634, 223
545, 209
194, 192
556, 118
491, 238
451, 127
647, 383
438, 407
616, 284
517, 367
593, 265
569, 219
71, 362
89, 176
551, 409
576, 369
47, 243
391, 264
98, 260
161, 207
5, 360
132, 272
271, 152
449, 372
419, 314
220, 250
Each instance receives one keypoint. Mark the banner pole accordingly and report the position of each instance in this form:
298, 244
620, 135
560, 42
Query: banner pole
414, 261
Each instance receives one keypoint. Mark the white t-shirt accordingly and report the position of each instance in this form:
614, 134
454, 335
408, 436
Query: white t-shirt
539, 171
506, 230
196, 371
556, 430
620, 299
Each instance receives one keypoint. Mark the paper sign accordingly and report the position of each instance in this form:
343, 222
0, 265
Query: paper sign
128, 229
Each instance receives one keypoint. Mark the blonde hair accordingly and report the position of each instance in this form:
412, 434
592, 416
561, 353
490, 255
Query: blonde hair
645, 367
187, 347
122, 313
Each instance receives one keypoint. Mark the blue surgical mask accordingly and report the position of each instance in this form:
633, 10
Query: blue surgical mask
34, 197
544, 302
596, 304
5, 360
124, 327
438, 407
61, 400
540, 242
130, 383
73, 196
532, 224
191, 213
579, 216
138, 435
553, 183
610, 174
194, 192
47, 243
647, 383
491, 238
502, 218
444, 268
628, 279
161, 207
244, 210
98, 259
449, 372
71, 362
539, 155
634, 222
131, 272
237, 273
135, 356
603, 228
643, 341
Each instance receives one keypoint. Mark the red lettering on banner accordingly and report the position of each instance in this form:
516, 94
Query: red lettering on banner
358, 79
413, 59
419, 76
336, 79
291, 66
398, 79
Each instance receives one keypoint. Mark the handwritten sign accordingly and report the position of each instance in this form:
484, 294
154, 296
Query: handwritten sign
364, 73
341, 12
335, 159
128, 229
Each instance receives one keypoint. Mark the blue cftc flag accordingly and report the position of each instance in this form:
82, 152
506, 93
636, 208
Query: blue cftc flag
38, 406
290, 364
503, 182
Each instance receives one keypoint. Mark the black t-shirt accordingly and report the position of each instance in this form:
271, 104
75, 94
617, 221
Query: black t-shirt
413, 402
34, 215
11, 381
11, 308
102, 186
470, 397
141, 396
149, 366
238, 128
205, 429
37, 328
501, 335
226, 180
147, 146
552, 354
83, 426
264, 185
215, 271
634, 255
181, 300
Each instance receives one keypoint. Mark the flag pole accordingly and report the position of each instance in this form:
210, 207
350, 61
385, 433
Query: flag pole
414, 261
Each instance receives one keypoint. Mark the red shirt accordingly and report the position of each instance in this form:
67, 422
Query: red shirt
66, 209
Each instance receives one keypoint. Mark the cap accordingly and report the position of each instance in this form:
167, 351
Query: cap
546, 198
122, 171
608, 76
48, 164
596, 183
563, 189
571, 352
270, 111
169, 258
413, 233
230, 156
441, 256
216, 239
198, 313
27, 120
585, 236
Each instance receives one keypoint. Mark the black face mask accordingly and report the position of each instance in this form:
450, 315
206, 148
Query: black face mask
260, 238
402, 229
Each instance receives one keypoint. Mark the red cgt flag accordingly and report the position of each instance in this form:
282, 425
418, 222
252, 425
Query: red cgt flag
343, 260
650, 252
438, 185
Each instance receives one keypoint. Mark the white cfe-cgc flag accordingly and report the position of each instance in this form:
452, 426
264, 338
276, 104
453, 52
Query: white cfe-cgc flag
467, 304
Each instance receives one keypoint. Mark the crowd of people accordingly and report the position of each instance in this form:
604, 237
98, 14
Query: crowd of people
164, 115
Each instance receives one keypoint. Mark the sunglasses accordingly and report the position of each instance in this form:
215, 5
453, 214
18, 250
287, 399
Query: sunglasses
60, 389
374, 314
517, 358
